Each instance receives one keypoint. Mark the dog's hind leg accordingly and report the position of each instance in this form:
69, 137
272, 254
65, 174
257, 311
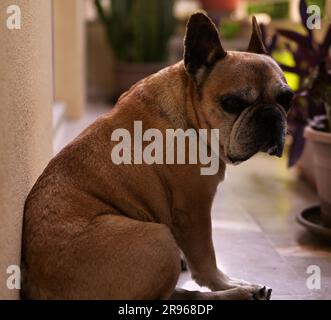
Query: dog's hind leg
114, 258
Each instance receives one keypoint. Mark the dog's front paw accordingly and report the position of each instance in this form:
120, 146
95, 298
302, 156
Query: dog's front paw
258, 292
263, 293
252, 293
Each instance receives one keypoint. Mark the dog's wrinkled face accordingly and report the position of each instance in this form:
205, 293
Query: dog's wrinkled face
244, 94
247, 97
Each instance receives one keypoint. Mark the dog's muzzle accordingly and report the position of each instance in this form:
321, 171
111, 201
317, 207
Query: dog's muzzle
262, 129
270, 123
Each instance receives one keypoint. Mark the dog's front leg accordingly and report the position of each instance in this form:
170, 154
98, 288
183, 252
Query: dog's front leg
193, 232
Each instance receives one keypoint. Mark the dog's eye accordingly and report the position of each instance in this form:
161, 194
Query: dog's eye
233, 104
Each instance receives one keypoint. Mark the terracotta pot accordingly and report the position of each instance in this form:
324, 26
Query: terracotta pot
127, 74
305, 164
322, 162
219, 5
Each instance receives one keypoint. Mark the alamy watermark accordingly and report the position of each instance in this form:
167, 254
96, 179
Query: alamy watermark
180, 147
13, 21
14, 278
314, 17
313, 281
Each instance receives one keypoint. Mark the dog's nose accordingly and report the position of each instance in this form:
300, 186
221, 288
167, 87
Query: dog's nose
268, 115
285, 98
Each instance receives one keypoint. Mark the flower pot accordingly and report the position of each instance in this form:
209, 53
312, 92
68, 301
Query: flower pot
305, 164
322, 161
127, 74
219, 5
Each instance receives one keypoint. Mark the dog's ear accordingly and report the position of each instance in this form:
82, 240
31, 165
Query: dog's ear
256, 44
202, 46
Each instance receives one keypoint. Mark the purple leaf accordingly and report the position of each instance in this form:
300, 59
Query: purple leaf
273, 43
297, 145
296, 37
295, 70
305, 55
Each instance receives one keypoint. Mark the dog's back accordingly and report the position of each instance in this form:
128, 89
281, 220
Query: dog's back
82, 190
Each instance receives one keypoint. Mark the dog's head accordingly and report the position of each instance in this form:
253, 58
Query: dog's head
244, 94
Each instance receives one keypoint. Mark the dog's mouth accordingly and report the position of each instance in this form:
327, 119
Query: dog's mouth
235, 160
273, 149
263, 130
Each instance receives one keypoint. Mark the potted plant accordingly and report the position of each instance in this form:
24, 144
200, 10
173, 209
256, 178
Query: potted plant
319, 133
307, 55
138, 32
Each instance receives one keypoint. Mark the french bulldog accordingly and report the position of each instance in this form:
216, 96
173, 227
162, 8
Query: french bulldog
94, 229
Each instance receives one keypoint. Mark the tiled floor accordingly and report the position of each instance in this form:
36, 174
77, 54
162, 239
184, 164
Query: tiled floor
256, 235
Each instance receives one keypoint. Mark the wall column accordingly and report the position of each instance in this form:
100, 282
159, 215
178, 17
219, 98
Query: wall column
26, 99
69, 55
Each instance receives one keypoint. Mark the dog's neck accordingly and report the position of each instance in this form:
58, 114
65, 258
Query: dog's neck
175, 96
